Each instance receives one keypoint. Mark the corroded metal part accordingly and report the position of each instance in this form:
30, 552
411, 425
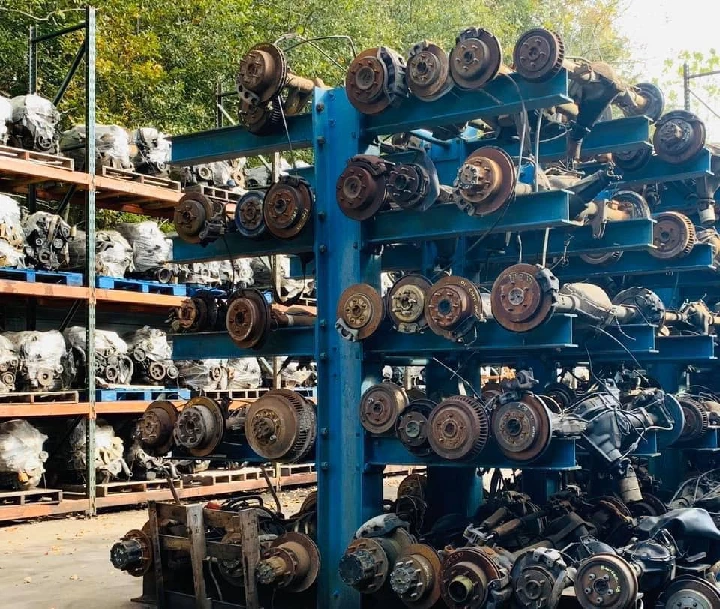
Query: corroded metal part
679, 136
486, 181
524, 297
522, 428
156, 427
452, 307
674, 235
459, 428
199, 219
292, 562
466, 576
606, 581
428, 71
642, 99
413, 485
538, 55
133, 553
476, 58
248, 318
200, 426
263, 119
406, 303
412, 426
538, 577
249, 218
287, 207
365, 565
632, 160
380, 407
360, 311
408, 185
416, 576
375, 80
648, 305
697, 418
262, 74
689, 592
361, 187
563, 395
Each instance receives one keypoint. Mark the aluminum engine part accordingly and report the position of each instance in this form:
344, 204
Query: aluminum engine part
380, 407
112, 364
428, 71
291, 562
288, 206
458, 428
46, 241
244, 373
360, 311
472, 578
376, 80
34, 124
133, 553
679, 136
113, 254
6, 112
476, 59
9, 364
674, 236
112, 147
249, 216
45, 361
156, 428
220, 174
151, 248
200, 426
109, 453
412, 427
22, 458
361, 189
281, 424
202, 375
11, 226
453, 305
415, 577
200, 219
406, 303
150, 151
152, 357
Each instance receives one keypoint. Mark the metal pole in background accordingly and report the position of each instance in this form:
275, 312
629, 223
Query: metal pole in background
686, 86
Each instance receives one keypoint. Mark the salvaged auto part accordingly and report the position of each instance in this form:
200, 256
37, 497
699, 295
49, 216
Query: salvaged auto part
288, 206
699, 413
476, 59
204, 312
22, 458
156, 427
538, 577
280, 425
109, 453
412, 427
360, 312
380, 407
458, 428
453, 305
45, 361
291, 562
413, 184
642, 99
679, 136
606, 580
152, 356
472, 578
522, 426
113, 366
632, 160
361, 189
202, 375
406, 303
689, 591
9, 364
151, 154
376, 80
46, 241
6, 112
113, 254
112, 147
199, 218
415, 577
34, 124
428, 71
133, 553
11, 225
151, 249
674, 235
220, 174
200, 426
249, 217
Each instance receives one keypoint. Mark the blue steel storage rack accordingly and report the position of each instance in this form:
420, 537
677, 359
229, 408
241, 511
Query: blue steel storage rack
346, 252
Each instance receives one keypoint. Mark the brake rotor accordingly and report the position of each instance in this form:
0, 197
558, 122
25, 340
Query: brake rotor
412, 426
416, 576
606, 581
406, 303
263, 119
674, 235
287, 206
538, 577
538, 55
689, 592
697, 418
292, 561
192, 214
458, 428
280, 425
563, 395
365, 565
519, 301
428, 71
408, 185
490, 391
476, 58
156, 427
380, 407
375, 80
452, 307
679, 136
200, 426
413, 485
522, 429
249, 218
655, 100
360, 310
248, 319
262, 74
465, 578
486, 181
361, 187
632, 160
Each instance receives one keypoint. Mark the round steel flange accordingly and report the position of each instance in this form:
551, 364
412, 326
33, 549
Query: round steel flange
674, 235
133, 553
248, 319
518, 300
465, 577
287, 207
538, 55
416, 576
200, 426
655, 100
362, 309
452, 307
249, 218
486, 181
689, 592
538, 577
408, 185
563, 395
231, 569
650, 307
428, 71
679, 136
192, 212
192, 315
375, 80
406, 303
263, 119
412, 426
601, 258
380, 407
697, 418
361, 187
476, 58
364, 566
262, 74
607, 581
458, 428
632, 160
414, 485
305, 556
522, 429
156, 428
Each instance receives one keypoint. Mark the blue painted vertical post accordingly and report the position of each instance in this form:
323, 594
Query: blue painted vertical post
340, 453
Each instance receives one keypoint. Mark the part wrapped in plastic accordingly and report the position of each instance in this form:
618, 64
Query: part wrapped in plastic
244, 373
198, 273
144, 466
34, 124
22, 458
109, 452
150, 151
220, 174
150, 246
112, 365
45, 361
46, 241
6, 113
203, 375
237, 272
113, 254
112, 147
152, 357
11, 228
8, 365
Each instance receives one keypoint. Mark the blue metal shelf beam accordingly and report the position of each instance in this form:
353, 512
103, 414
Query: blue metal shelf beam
660, 171
295, 342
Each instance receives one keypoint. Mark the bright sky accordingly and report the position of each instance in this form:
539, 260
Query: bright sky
660, 29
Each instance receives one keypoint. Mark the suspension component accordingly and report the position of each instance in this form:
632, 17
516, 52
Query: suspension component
201, 313
524, 297
375, 80
287, 206
200, 426
471, 577
416, 576
292, 562
458, 428
697, 417
538, 577
406, 303
413, 426
476, 59
538, 55
156, 427
281, 425
607, 581
133, 553
361, 187
249, 217
199, 219
453, 305
679, 136
642, 99
674, 236
522, 427
360, 311
380, 407
689, 592
428, 71
248, 319
408, 186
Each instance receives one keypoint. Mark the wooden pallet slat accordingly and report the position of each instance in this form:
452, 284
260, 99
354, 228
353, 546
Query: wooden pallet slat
40, 397
141, 178
36, 495
43, 158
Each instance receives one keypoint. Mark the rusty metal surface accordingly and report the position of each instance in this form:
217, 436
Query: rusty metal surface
679, 136
466, 576
486, 181
519, 301
406, 303
156, 427
476, 59
459, 428
606, 581
375, 80
200, 426
360, 310
538, 55
288, 206
248, 318
380, 407
452, 307
416, 576
428, 71
522, 428
674, 235
361, 187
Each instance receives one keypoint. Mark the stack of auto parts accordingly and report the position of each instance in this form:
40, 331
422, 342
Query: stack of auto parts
152, 250
22, 458
12, 234
113, 254
244, 373
202, 375
151, 355
45, 362
150, 151
34, 124
113, 366
112, 147
220, 174
9, 364
47, 239
109, 456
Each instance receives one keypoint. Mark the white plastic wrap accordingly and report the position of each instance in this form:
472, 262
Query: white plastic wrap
153, 343
113, 254
199, 273
46, 363
220, 174
46, 237
203, 375
151, 247
113, 365
238, 271
151, 352
9, 256
109, 452
34, 123
150, 151
21, 453
112, 146
244, 373
6, 113
11, 228
8, 365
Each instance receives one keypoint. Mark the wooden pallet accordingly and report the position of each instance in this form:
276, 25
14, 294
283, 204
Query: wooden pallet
140, 285
36, 495
118, 488
219, 194
292, 469
221, 476
40, 397
42, 158
141, 178
146, 394
33, 276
